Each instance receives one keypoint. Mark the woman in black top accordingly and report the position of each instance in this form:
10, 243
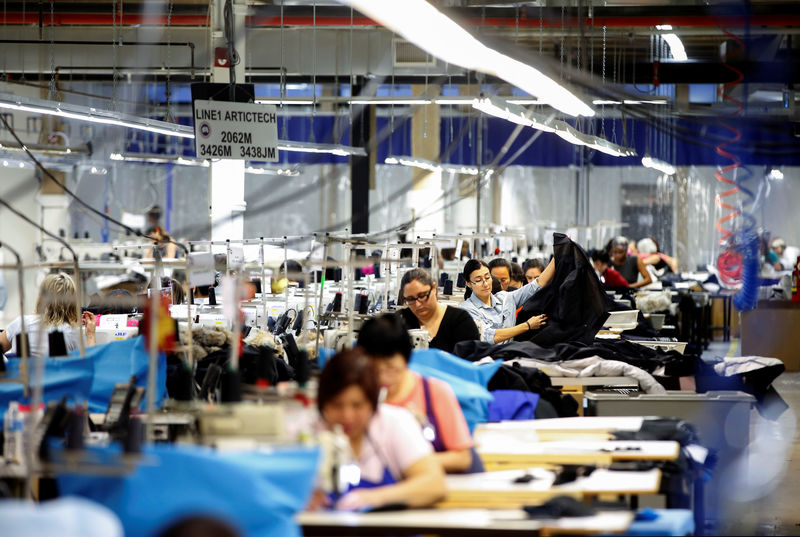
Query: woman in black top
630, 266
446, 325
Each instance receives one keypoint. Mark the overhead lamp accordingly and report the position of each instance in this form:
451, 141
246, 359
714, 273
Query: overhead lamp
775, 174
286, 172
498, 107
92, 115
675, 44
659, 165
570, 134
333, 149
609, 148
285, 101
406, 101
431, 166
429, 29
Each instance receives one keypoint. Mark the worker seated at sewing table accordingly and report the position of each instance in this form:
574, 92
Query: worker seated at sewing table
395, 462
386, 340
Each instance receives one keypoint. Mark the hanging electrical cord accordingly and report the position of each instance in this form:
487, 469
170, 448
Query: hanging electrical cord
71, 194
739, 262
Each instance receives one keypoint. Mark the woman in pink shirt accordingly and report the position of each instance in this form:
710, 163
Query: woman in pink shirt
432, 401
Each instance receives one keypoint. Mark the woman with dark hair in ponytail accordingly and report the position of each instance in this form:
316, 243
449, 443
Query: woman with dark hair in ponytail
495, 314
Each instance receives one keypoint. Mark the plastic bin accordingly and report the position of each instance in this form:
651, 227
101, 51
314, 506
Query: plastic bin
626, 320
722, 420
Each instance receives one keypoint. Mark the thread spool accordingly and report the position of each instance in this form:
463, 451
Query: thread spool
461, 281
357, 302
135, 437
55, 340
363, 304
443, 277
212, 297
448, 287
337, 302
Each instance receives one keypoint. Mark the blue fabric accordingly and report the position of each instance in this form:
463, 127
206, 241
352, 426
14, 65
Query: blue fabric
258, 493
468, 380
116, 362
70, 377
513, 405
665, 522
324, 355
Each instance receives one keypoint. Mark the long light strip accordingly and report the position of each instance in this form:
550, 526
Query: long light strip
107, 117
498, 107
150, 158
659, 165
517, 114
422, 24
675, 44
431, 166
92, 115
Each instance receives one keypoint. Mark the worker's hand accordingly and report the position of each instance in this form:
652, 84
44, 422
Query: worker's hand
538, 321
319, 500
89, 320
359, 500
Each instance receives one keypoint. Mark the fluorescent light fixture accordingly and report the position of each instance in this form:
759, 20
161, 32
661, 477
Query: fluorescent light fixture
422, 24
285, 101
431, 166
674, 42
98, 171
570, 134
525, 102
776, 174
659, 165
402, 101
609, 148
107, 117
286, 172
599, 102
92, 115
454, 100
333, 149
152, 158
515, 113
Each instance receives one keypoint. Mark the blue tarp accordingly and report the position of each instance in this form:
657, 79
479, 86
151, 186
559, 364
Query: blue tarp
91, 377
256, 492
70, 377
468, 380
116, 362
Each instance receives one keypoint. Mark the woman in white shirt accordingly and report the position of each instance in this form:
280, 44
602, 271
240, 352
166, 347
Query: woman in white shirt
396, 463
56, 309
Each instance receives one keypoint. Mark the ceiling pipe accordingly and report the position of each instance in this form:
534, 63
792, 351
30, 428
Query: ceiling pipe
344, 21
106, 44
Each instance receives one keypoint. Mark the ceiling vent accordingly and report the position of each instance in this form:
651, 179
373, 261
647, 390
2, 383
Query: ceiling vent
407, 54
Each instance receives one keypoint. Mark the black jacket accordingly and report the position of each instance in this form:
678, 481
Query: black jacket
575, 302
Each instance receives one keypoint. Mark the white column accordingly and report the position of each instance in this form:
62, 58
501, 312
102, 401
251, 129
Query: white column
226, 177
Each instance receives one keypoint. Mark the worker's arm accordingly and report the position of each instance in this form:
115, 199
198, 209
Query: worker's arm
646, 278
455, 461
422, 486
502, 334
547, 275
5, 344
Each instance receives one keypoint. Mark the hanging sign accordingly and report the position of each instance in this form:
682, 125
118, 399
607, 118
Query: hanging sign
242, 131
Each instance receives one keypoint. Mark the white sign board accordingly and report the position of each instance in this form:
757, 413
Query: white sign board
226, 130
201, 269
236, 258
114, 322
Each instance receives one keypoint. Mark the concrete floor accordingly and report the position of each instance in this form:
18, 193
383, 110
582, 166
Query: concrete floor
769, 493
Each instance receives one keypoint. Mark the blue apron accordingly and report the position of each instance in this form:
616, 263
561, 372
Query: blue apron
386, 479
438, 444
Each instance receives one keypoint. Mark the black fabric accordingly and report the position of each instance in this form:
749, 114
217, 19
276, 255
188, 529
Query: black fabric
559, 507
255, 363
477, 350
629, 269
552, 403
620, 350
575, 302
457, 325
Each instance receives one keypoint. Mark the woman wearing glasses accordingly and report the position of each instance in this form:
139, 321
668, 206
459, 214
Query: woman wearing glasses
497, 313
446, 325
